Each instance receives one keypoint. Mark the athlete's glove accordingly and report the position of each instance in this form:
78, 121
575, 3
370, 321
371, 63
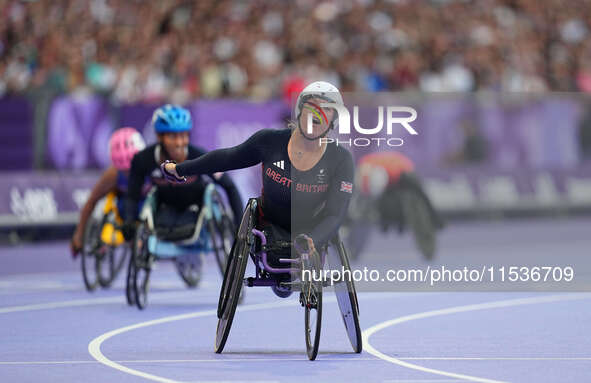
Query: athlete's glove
304, 244
171, 176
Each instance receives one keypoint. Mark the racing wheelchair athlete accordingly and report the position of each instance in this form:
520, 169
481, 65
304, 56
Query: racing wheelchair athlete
177, 222
292, 228
98, 236
390, 195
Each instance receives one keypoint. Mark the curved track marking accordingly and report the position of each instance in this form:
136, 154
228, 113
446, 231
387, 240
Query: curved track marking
453, 310
94, 347
271, 360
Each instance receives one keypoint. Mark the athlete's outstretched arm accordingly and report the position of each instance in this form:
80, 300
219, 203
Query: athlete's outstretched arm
338, 198
226, 182
247, 154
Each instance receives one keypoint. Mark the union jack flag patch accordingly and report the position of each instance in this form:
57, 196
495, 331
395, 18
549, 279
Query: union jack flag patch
346, 187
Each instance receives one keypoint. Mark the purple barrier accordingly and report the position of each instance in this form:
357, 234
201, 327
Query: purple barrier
78, 132
495, 189
16, 134
534, 158
139, 116
535, 133
47, 197
32, 198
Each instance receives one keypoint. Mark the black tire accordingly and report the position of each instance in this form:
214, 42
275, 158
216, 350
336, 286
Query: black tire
115, 256
222, 239
222, 232
346, 295
189, 268
142, 266
129, 282
112, 265
419, 218
311, 299
90, 255
223, 298
230, 292
105, 277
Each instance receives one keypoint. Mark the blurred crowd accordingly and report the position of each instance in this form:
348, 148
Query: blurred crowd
134, 50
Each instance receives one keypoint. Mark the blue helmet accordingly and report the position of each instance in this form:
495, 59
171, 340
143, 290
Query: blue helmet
171, 119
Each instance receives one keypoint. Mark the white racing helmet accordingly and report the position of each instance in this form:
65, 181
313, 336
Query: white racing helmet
322, 90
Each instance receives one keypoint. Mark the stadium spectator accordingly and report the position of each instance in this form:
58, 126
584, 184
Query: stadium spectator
178, 50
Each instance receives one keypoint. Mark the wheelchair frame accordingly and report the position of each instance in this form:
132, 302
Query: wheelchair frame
266, 275
212, 221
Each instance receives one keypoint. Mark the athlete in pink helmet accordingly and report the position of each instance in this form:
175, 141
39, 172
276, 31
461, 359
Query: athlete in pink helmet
123, 145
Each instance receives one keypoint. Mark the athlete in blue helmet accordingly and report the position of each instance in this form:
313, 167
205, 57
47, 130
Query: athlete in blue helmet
172, 124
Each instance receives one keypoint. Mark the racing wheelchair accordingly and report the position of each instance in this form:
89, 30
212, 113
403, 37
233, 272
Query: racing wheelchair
103, 248
252, 243
212, 231
402, 205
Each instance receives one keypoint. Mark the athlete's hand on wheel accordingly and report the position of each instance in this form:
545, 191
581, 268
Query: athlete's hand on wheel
304, 243
168, 169
75, 246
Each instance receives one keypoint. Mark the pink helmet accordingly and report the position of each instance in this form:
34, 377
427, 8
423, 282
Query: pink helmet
123, 145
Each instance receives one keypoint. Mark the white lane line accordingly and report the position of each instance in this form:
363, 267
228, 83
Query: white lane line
49, 362
324, 359
453, 310
180, 291
88, 302
422, 381
28, 286
232, 360
279, 359
234, 381
497, 358
55, 305
94, 347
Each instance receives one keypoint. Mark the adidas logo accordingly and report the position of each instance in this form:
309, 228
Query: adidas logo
279, 164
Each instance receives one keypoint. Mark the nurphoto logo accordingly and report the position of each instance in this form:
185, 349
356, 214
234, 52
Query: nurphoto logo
399, 116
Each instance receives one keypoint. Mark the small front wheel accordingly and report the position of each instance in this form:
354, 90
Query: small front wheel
142, 265
130, 281
189, 268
